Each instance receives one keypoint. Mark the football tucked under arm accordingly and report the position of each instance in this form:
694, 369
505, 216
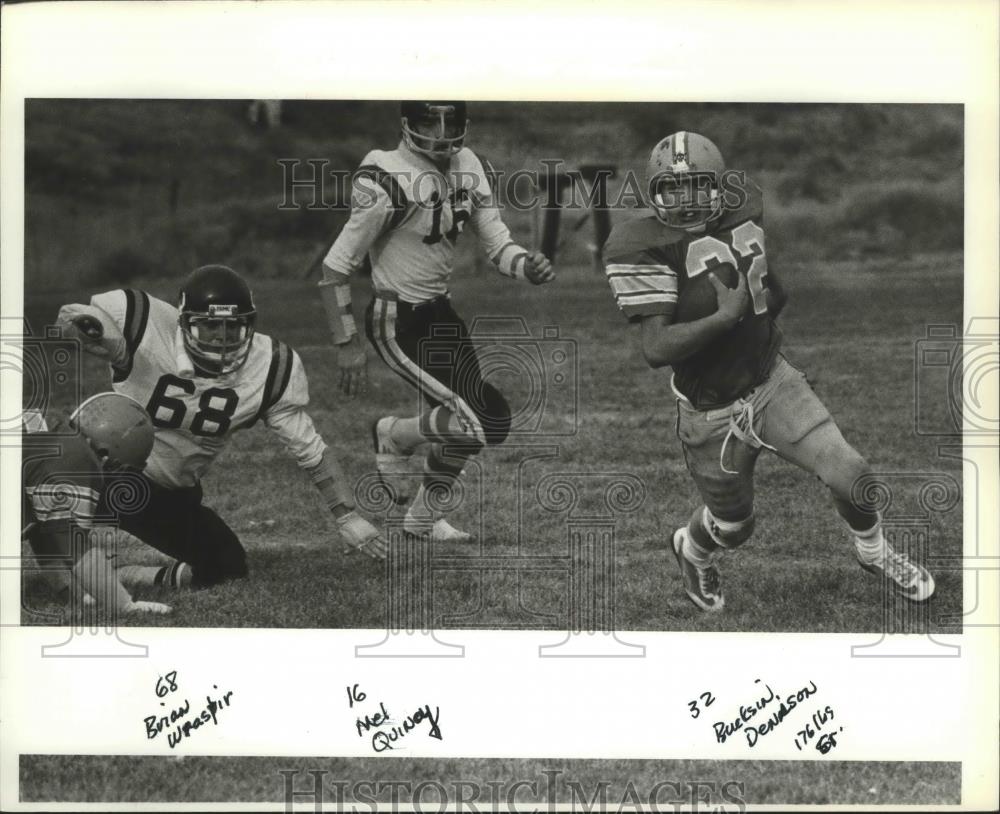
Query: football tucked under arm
96, 330
666, 340
646, 291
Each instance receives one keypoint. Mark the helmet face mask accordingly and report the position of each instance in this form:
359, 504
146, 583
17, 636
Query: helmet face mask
687, 201
685, 181
118, 430
217, 319
434, 129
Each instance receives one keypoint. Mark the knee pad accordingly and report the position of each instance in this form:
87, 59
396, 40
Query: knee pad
494, 414
728, 533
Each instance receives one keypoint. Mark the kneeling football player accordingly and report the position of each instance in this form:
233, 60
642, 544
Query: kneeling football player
735, 391
202, 372
65, 474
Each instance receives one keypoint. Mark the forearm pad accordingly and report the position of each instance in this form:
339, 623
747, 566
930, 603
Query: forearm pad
336, 298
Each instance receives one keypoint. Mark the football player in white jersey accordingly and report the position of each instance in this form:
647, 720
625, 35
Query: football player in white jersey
202, 372
408, 207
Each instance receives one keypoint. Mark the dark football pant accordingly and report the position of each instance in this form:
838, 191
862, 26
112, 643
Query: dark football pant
428, 346
175, 522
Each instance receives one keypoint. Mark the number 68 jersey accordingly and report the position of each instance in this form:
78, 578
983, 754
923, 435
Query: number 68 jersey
654, 269
195, 415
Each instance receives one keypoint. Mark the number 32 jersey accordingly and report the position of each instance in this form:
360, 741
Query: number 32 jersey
195, 415
650, 266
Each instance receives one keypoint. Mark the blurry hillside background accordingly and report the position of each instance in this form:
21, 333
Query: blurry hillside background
118, 190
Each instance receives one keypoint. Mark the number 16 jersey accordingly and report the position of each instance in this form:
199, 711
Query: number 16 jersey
194, 415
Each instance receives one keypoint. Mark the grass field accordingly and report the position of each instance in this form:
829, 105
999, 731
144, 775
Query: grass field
869, 244
851, 326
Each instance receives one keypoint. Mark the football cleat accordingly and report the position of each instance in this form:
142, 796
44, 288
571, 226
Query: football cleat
391, 462
908, 579
360, 535
703, 585
440, 530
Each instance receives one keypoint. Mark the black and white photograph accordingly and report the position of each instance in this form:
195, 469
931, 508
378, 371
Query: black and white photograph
642, 441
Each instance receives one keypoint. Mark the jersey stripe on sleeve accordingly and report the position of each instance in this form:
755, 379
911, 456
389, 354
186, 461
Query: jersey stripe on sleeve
278, 374
136, 319
642, 290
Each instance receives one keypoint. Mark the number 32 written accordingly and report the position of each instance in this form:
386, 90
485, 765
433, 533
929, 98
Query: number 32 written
748, 241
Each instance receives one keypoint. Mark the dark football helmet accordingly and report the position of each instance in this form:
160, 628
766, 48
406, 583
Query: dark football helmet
685, 179
448, 122
117, 428
217, 319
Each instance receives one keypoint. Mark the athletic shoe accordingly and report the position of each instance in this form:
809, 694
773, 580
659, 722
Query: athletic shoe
907, 578
702, 584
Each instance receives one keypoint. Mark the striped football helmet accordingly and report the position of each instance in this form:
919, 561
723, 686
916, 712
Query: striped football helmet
685, 178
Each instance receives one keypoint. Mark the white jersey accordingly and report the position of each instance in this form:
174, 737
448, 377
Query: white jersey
195, 415
406, 216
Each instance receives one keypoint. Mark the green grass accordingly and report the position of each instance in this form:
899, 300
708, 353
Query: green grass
125, 779
851, 326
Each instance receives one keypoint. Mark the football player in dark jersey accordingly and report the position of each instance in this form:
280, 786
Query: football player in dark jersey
65, 469
694, 274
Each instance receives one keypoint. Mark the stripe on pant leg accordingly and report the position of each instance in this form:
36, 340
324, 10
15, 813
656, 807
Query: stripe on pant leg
392, 353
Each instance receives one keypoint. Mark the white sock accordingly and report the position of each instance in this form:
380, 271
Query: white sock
418, 514
694, 552
870, 544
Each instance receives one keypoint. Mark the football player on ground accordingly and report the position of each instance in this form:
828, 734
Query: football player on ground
64, 480
409, 206
202, 372
735, 391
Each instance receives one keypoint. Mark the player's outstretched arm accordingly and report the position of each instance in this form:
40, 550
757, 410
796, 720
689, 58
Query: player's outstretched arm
289, 420
95, 329
357, 533
666, 343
